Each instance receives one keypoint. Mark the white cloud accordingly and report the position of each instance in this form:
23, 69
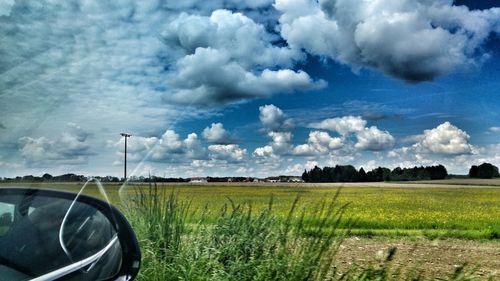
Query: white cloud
342, 125
5, 7
277, 125
374, 139
318, 143
444, 139
169, 148
9, 165
368, 138
281, 141
278, 146
273, 118
216, 134
217, 61
446, 144
411, 40
295, 169
110, 65
69, 148
264, 152
310, 165
227, 152
494, 129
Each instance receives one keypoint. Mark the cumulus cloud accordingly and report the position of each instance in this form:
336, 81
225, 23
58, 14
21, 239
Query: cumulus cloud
445, 144
279, 145
227, 152
368, 138
217, 61
410, 40
168, 148
123, 66
171, 144
281, 141
273, 118
318, 143
69, 148
216, 134
444, 139
374, 139
264, 152
277, 125
342, 125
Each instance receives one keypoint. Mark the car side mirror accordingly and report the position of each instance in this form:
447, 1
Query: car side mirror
55, 235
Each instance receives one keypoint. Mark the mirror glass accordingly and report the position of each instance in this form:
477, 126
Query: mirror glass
6, 217
50, 237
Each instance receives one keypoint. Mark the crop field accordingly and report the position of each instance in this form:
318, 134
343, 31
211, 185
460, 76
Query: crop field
400, 209
438, 225
445, 212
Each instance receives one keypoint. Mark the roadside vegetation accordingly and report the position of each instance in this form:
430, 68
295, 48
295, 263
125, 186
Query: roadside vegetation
469, 213
248, 243
294, 231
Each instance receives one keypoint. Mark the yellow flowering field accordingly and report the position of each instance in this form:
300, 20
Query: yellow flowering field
403, 209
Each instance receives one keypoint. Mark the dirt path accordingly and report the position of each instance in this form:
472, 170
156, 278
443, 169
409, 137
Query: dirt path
432, 258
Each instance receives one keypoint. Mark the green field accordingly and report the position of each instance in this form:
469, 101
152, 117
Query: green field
302, 232
469, 210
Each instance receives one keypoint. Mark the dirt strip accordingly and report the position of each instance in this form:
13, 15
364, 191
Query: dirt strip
432, 258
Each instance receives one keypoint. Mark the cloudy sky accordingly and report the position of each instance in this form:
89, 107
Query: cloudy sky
248, 88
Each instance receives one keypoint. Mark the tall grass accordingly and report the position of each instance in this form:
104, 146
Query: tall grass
244, 243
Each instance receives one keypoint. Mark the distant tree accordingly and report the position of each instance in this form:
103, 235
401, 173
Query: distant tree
348, 173
47, 177
28, 178
439, 173
315, 174
305, 176
487, 171
379, 174
474, 171
362, 175
396, 174
329, 174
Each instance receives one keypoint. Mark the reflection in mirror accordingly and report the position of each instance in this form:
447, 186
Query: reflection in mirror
48, 237
85, 232
6, 217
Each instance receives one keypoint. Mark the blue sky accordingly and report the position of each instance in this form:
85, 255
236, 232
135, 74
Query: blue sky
248, 88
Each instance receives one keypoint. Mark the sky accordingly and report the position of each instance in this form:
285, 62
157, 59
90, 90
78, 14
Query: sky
247, 88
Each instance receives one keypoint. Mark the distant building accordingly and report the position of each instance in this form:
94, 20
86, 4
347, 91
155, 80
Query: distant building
284, 179
273, 179
198, 180
295, 179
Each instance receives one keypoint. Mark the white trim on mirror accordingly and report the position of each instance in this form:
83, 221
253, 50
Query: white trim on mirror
75, 266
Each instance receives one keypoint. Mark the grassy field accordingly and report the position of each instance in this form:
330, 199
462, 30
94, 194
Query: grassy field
300, 232
458, 208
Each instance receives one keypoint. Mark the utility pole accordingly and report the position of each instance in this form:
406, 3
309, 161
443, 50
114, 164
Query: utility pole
125, 163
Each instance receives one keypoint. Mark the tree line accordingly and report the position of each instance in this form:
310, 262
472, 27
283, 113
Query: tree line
347, 173
339, 173
484, 171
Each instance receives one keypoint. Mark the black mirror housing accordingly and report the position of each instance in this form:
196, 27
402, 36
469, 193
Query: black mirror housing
48, 234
